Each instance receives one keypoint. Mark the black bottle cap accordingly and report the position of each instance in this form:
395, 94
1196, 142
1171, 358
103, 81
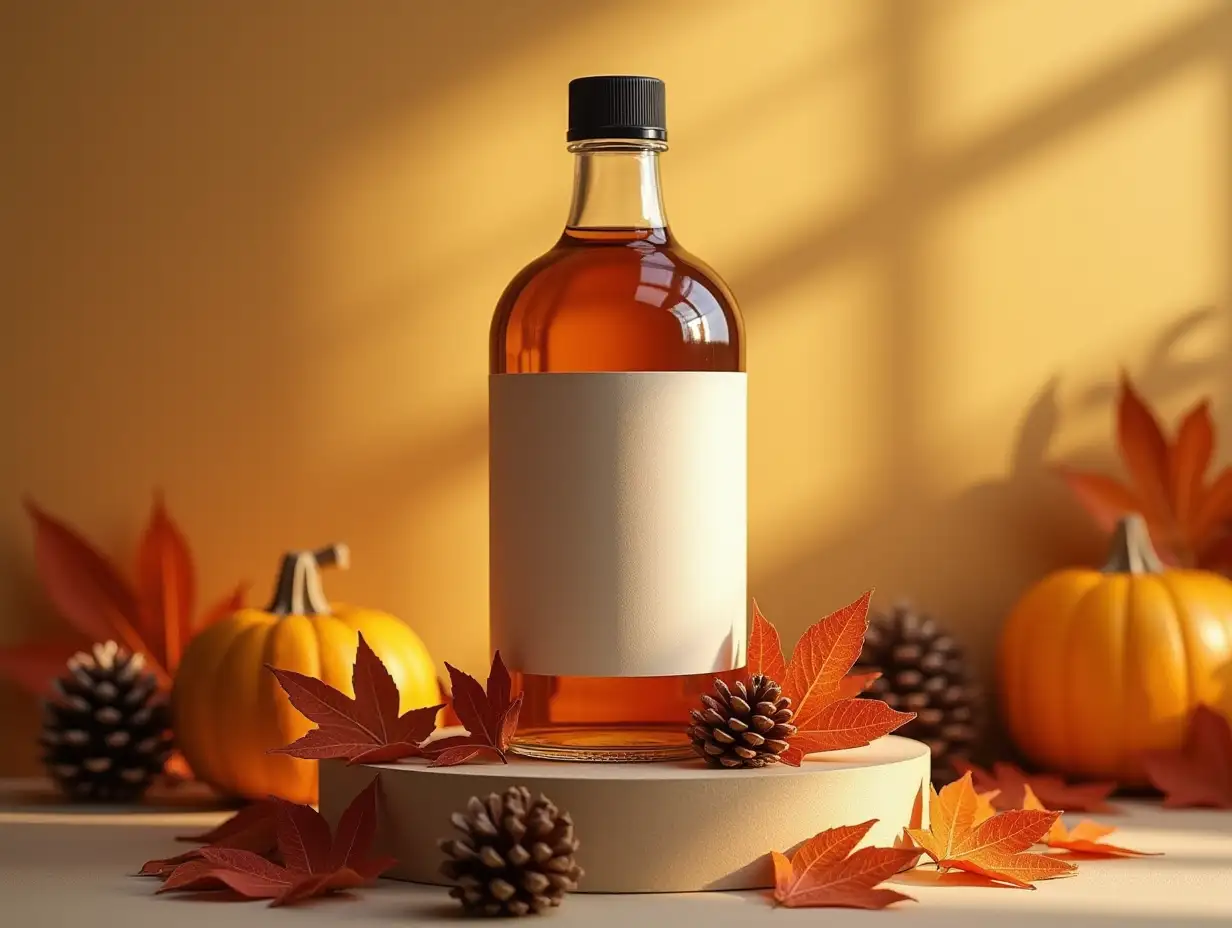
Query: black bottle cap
617, 107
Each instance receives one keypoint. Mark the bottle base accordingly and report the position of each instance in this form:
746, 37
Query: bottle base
606, 745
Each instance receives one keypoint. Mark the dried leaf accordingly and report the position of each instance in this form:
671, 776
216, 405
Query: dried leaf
86, 588
320, 885
821, 873
857, 683
253, 828
848, 723
1200, 772
248, 874
315, 862
509, 722
827, 715
1213, 512
33, 666
166, 587
354, 727
386, 753
303, 838
490, 716
922, 877
984, 809
1217, 555
1010, 782
449, 717
995, 847
1187, 517
100, 604
1083, 839
824, 654
352, 839
1106, 500
765, 649
164, 867
1188, 461
260, 814
193, 874
1145, 452
458, 754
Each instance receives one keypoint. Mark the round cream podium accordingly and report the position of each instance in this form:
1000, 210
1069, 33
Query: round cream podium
660, 827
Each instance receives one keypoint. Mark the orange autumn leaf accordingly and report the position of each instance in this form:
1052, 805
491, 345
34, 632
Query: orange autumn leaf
1144, 449
916, 821
1083, 839
995, 847
984, 808
765, 650
1187, 515
848, 723
825, 872
828, 716
85, 586
34, 666
856, 683
824, 654
166, 586
152, 616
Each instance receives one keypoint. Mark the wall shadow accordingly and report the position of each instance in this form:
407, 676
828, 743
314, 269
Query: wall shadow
966, 558
156, 164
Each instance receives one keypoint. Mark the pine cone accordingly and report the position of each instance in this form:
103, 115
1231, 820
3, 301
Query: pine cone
107, 730
515, 856
747, 728
923, 671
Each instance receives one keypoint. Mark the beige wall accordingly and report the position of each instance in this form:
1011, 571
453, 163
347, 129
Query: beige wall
249, 252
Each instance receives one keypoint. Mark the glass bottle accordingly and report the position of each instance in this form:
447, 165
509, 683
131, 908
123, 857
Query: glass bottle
618, 484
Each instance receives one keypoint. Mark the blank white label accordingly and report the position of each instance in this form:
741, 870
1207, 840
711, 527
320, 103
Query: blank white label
619, 522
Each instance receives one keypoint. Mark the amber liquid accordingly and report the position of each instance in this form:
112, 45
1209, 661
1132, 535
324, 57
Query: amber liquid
614, 300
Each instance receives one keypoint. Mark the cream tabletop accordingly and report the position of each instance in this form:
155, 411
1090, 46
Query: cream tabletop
68, 866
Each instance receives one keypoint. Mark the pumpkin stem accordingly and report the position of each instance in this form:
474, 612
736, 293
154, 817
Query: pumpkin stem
299, 590
1132, 551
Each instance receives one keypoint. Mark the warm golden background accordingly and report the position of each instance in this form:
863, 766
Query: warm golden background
250, 251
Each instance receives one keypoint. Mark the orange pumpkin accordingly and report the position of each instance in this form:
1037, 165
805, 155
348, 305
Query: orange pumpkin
1097, 666
228, 711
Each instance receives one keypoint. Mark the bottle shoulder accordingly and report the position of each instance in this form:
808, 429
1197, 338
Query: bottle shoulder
610, 302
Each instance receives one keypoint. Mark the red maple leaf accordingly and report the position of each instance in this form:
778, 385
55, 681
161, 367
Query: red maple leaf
253, 828
255, 815
1200, 773
1009, 782
828, 716
489, 714
315, 862
364, 730
821, 873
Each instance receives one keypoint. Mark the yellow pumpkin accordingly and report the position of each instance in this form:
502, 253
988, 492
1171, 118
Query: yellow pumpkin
228, 711
1097, 666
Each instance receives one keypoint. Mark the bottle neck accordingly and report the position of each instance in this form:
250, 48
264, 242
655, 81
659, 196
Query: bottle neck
616, 185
